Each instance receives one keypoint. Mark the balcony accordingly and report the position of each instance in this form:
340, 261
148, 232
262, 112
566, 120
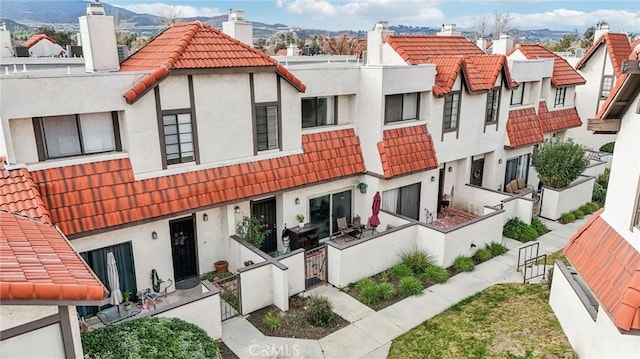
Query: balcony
598, 126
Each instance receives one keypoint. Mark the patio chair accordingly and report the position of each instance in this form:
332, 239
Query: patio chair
343, 227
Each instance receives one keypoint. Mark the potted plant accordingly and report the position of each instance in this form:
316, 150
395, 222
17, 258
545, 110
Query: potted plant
253, 230
300, 218
356, 220
127, 303
221, 266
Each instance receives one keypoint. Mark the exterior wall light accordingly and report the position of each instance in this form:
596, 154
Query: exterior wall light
237, 209
297, 200
450, 169
205, 217
500, 161
433, 178
154, 235
362, 187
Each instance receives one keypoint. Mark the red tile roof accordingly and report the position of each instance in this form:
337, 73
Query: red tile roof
37, 262
406, 150
37, 38
618, 49
419, 49
195, 45
610, 266
563, 73
19, 194
523, 128
556, 120
88, 197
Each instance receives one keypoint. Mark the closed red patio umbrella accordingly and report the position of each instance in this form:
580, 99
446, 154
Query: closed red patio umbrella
375, 208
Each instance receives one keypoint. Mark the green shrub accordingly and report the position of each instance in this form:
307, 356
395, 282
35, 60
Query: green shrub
164, 337
600, 187
586, 209
365, 283
436, 274
483, 254
400, 271
538, 226
463, 264
497, 249
272, 321
608, 147
319, 311
594, 206
578, 214
515, 228
410, 286
559, 163
418, 260
374, 293
568, 217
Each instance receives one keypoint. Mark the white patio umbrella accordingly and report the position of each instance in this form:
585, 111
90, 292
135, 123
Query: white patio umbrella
114, 280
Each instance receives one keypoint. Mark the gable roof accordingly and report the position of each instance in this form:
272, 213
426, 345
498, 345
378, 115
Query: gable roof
523, 127
36, 39
563, 73
38, 263
623, 92
610, 266
618, 49
406, 150
556, 120
19, 194
88, 197
452, 55
194, 45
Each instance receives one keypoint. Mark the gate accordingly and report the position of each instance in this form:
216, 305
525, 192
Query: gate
529, 260
315, 266
230, 294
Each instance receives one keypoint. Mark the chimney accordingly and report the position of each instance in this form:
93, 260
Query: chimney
482, 44
374, 42
601, 29
448, 30
238, 27
503, 45
5, 42
98, 36
292, 50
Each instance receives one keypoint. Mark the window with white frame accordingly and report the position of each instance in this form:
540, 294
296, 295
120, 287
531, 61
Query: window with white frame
607, 84
401, 107
75, 135
404, 201
493, 106
451, 113
178, 138
517, 95
319, 111
267, 132
561, 93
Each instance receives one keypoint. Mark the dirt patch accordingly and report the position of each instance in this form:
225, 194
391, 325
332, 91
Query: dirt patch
226, 352
293, 323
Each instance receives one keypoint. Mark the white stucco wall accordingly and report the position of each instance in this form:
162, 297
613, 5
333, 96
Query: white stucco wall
45, 343
257, 288
205, 313
556, 202
458, 242
296, 272
46, 48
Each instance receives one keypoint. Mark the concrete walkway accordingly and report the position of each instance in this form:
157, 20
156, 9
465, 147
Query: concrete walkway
370, 333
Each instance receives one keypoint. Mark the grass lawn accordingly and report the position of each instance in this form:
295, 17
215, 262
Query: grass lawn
503, 321
551, 258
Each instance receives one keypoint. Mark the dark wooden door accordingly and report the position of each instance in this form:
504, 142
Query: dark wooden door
183, 248
477, 170
440, 189
265, 211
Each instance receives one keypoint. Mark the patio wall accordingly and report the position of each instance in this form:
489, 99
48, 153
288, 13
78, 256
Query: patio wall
595, 167
514, 205
256, 287
431, 241
555, 202
296, 275
365, 257
240, 252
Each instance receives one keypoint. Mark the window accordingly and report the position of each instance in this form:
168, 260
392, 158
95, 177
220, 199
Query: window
75, 135
561, 93
267, 127
178, 138
493, 106
325, 210
451, 112
607, 84
517, 95
319, 111
517, 168
404, 201
401, 107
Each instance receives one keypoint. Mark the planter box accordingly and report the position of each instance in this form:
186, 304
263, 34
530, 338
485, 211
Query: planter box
555, 201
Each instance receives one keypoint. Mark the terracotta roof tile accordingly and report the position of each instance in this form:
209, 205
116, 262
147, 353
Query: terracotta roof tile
563, 73
523, 127
19, 194
37, 38
87, 197
406, 150
195, 45
618, 49
610, 266
37, 262
551, 121
419, 49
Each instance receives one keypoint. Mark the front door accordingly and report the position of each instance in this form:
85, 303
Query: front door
183, 248
440, 189
477, 169
265, 211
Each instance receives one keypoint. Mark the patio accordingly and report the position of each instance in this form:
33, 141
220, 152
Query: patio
451, 217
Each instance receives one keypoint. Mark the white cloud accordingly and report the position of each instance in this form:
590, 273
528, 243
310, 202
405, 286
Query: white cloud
166, 10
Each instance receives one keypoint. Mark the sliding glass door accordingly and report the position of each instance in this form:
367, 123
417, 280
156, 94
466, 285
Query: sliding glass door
324, 211
404, 201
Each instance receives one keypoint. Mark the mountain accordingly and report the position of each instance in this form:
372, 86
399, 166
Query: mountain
36, 12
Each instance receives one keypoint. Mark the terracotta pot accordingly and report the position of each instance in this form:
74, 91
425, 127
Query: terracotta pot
221, 266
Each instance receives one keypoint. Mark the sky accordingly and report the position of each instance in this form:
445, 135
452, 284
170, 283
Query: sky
622, 15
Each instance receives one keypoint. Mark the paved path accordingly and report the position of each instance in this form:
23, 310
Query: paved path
370, 333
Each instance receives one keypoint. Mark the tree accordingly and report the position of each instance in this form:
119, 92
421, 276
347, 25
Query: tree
564, 44
62, 38
501, 23
559, 163
480, 28
587, 37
